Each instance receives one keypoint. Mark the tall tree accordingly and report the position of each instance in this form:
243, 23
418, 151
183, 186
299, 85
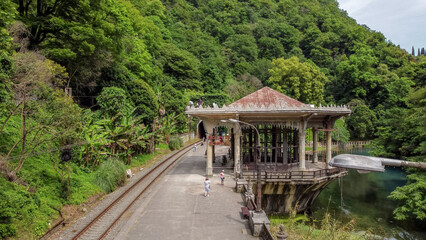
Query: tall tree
40, 109
361, 123
303, 81
355, 77
7, 14
89, 36
412, 51
146, 103
403, 135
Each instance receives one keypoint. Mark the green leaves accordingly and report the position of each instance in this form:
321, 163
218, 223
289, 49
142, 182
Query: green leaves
302, 81
110, 175
119, 137
173, 103
402, 133
270, 48
16, 205
114, 102
362, 121
243, 48
167, 127
183, 66
144, 99
7, 15
413, 197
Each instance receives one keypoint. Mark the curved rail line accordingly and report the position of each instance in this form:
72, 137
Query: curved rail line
182, 152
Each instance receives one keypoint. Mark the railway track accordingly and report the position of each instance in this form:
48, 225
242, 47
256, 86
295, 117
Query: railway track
102, 223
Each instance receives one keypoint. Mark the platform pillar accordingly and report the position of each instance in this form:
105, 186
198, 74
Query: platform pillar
328, 146
302, 136
209, 164
315, 145
237, 160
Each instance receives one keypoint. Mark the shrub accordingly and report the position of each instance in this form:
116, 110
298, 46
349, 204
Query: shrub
7, 230
17, 208
144, 98
175, 143
110, 175
113, 101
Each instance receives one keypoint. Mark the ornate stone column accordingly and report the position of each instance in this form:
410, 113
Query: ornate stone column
285, 146
209, 163
237, 152
302, 136
328, 146
214, 147
208, 126
315, 145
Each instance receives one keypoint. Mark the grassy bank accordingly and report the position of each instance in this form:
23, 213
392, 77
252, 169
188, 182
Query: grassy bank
28, 206
300, 227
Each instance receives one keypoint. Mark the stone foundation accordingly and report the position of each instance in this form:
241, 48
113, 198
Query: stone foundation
256, 222
283, 197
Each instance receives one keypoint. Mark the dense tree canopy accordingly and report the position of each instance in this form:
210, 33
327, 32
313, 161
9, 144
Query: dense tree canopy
302, 81
403, 135
145, 59
114, 102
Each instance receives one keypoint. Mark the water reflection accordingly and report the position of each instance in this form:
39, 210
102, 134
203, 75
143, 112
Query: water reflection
365, 200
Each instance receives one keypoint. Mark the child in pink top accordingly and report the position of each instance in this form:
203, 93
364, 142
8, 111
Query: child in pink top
222, 177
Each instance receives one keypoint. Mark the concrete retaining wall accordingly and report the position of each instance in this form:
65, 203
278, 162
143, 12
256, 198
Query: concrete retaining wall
284, 197
187, 136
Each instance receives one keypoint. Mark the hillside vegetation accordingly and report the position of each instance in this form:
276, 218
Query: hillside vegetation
110, 79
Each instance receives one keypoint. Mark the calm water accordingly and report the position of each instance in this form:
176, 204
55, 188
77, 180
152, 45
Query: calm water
365, 200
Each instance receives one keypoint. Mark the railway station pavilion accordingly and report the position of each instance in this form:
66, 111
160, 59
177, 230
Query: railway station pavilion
268, 131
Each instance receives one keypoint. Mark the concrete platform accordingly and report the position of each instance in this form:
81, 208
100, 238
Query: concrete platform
177, 208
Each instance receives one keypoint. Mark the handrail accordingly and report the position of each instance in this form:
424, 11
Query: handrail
251, 204
335, 144
297, 174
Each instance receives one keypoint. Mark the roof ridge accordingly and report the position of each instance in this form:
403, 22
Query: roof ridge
267, 96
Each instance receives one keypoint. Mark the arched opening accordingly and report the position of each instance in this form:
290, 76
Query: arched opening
201, 131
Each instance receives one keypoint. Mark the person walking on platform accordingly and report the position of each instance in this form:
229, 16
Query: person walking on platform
222, 177
206, 187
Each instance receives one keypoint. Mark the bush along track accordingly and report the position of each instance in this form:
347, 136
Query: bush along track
149, 162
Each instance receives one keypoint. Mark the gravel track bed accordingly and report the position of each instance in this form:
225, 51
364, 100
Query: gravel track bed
77, 225
137, 204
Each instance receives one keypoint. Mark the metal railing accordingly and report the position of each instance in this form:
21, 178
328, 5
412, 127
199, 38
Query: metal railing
296, 175
340, 144
302, 174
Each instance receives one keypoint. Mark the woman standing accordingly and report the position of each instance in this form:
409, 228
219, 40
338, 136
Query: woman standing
206, 187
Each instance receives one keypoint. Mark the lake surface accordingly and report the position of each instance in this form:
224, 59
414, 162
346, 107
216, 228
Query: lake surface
365, 200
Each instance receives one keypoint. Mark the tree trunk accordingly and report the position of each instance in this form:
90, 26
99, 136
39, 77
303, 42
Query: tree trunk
21, 8
24, 136
69, 182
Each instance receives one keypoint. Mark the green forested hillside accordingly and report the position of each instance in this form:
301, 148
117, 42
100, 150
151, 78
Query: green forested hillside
133, 65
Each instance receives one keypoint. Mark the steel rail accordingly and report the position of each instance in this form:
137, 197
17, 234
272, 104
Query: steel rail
99, 216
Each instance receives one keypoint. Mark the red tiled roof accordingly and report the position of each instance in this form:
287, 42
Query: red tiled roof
267, 96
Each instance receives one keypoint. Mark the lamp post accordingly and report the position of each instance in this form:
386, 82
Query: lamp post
257, 160
367, 163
